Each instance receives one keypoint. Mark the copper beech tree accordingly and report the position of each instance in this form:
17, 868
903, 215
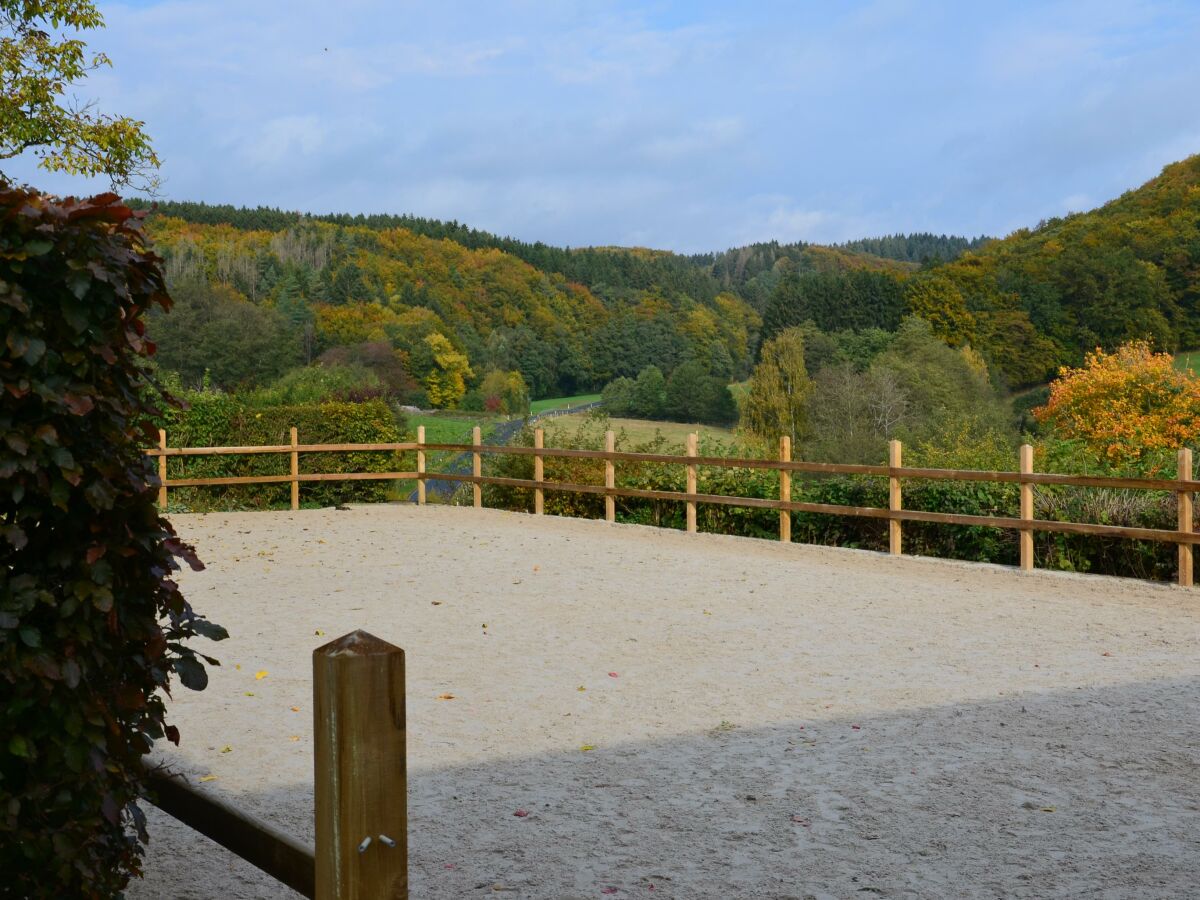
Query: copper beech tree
93, 627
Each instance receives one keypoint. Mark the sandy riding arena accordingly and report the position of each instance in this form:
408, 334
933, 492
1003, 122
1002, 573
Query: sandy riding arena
700, 716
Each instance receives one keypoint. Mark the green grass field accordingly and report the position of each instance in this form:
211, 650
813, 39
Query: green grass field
1188, 361
539, 406
447, 429
640, 431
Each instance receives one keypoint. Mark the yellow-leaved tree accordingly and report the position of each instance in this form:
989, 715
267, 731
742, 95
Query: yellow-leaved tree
446, 381
777, 400
1124, 404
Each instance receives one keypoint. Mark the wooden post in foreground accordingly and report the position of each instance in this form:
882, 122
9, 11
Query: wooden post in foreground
1186, 514
162, 470
477, 466
895, 501
610, 477
1026, 468
361, 787
295, 471
691, 483
420, 465
785, 490
539, 497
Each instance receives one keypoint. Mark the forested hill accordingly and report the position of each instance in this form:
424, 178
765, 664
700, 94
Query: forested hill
1040, 298
1129, 269
610, 272
917, 248
441, 296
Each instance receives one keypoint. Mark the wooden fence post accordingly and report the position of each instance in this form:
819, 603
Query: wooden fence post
477, 466
691, 483
162, 470
895, 499
539, 497
361, 787
1186, 514
785, 490
420, 465
295, 470
1026, 468
610, 477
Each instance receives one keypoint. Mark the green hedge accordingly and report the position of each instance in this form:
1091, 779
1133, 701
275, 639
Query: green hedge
1146, 509
214, 419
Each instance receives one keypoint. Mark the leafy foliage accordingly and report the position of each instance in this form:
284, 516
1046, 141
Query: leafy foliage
1124, 405
92, 623
37, 67
215, 334
777, 401
215, 419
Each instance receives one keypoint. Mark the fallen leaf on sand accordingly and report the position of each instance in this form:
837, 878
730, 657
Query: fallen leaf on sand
237, 666
445, 696
581, 688
800, 820
1047, 809
249, 693
521, 813
295, 709
856, 727
613, 675
436, 602
208, 777
318, 632
535, 568
448, 866
226, 749
609, 890
294, 737
260, 674
586, 747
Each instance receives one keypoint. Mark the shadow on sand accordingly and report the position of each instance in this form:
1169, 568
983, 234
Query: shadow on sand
1091, 792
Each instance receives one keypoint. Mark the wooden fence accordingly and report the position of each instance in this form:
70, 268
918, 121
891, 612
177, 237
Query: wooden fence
1183, 486
361, 787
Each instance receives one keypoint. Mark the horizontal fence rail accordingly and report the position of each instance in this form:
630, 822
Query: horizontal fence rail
1183, 486
258, 842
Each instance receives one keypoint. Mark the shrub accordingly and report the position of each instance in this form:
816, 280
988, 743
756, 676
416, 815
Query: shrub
214, 419
92, 624
318, 384
1123, 405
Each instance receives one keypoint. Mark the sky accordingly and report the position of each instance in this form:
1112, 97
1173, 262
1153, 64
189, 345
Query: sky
686, 125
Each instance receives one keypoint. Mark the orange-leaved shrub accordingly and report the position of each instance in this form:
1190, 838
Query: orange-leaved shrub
1125, 405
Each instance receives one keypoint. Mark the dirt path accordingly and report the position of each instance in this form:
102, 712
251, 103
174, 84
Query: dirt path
784, 721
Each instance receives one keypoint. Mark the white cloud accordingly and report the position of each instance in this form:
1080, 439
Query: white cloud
282, 139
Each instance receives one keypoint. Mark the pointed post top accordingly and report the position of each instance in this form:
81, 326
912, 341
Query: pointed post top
356, 643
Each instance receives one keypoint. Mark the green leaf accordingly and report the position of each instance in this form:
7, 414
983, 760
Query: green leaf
18, 746
31, 636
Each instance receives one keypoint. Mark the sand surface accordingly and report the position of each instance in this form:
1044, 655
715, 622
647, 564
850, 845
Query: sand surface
786, 721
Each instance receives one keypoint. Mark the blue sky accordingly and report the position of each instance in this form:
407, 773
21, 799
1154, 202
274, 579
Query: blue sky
682, 125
